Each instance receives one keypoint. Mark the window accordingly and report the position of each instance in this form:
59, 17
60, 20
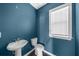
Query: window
60, 22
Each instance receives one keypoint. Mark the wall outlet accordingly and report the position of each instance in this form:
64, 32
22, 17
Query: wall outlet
0, 34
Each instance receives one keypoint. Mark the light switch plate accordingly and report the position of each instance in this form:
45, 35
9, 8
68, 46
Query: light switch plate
0, 34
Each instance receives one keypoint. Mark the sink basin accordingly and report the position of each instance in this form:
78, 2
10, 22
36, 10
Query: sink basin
16, 45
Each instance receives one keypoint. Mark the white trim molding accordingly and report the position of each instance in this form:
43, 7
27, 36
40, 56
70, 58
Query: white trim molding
43, 51
38, 5
48, 53
29, 52
68, 35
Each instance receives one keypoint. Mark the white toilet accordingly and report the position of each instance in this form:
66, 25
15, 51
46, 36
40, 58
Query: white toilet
38, 47
39, 50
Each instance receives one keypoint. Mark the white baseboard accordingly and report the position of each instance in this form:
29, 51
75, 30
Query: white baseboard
43, 51
48, 53
29, 52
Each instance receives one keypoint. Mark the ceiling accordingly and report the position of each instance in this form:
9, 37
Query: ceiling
38, 5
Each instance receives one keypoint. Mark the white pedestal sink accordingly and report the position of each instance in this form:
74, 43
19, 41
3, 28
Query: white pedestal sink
17, 46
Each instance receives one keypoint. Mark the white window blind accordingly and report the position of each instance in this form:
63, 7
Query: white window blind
60, 22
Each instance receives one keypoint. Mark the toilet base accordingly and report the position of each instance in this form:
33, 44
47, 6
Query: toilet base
39, 53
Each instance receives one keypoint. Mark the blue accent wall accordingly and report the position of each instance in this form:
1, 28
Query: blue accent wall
77, 29
23, 21
56, 46
16, 21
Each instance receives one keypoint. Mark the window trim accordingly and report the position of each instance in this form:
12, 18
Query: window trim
70, 22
